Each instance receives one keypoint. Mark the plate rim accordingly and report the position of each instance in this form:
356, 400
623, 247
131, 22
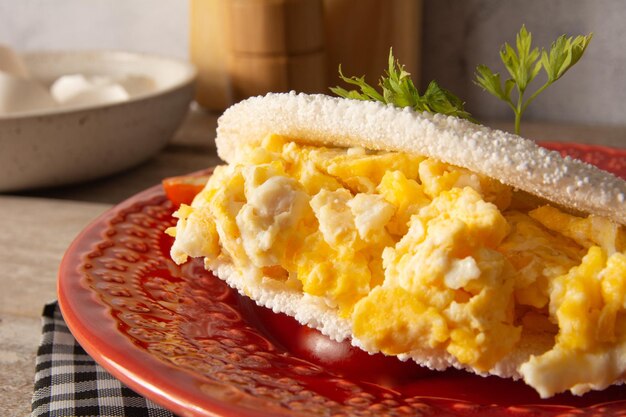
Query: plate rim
147, 382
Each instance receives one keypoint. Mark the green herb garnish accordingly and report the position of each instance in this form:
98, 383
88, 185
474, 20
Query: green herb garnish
525, 64
398, 89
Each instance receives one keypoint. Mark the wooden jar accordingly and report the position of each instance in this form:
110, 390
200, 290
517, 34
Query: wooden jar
249, 47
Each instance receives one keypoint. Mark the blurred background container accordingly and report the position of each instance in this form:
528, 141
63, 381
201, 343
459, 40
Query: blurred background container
248, 47
456, 36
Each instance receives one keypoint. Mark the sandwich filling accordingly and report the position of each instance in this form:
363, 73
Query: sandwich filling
420, 255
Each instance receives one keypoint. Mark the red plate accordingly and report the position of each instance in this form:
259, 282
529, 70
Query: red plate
181, 337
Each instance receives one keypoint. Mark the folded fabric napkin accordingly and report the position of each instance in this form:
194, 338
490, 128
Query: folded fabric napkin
68, 382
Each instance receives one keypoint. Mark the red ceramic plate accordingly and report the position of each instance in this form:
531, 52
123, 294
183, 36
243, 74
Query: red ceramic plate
181, 337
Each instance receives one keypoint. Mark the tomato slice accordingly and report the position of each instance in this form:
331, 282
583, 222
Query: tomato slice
182, 189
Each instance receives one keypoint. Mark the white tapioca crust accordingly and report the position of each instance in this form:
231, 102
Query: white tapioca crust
515, 161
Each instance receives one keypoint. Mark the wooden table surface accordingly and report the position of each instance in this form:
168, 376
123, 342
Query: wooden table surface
37, 226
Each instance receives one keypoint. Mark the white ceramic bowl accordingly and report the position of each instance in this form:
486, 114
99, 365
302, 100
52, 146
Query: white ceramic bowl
55, 147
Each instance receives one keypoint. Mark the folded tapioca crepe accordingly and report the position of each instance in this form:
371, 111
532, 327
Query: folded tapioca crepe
421, 236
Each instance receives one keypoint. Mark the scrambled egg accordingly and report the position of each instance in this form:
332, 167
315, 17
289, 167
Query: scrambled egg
421, 255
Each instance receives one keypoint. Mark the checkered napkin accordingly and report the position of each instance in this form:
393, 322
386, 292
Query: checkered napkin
68, 382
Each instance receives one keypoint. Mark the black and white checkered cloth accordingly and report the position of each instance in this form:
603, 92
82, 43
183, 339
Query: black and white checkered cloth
68, 382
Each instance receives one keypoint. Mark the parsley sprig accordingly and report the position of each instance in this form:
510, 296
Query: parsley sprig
398, 89
525, 64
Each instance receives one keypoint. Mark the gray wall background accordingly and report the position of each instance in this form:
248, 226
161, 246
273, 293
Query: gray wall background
458, 35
